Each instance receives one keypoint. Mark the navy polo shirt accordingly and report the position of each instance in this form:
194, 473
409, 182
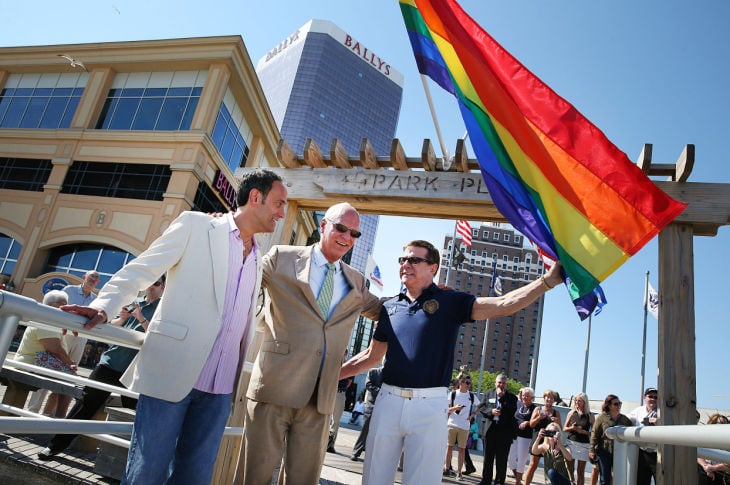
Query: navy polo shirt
421, 335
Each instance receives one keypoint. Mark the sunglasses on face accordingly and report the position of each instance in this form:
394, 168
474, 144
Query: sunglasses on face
343, 228
616, 403
652, 396
412, 260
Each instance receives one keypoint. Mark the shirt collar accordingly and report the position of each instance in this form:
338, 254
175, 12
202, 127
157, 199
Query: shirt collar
318, 259
427, 292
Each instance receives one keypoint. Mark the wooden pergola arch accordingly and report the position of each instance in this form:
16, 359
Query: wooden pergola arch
426, 187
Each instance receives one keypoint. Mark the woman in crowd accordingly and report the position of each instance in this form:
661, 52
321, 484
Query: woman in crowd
520, 450
578, 424
541, 417
713, 473
601, 447
44, 348
555, 455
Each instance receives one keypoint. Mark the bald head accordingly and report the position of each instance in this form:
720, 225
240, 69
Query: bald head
335, 212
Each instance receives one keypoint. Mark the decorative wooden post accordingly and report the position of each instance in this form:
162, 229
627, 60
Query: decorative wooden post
677, 364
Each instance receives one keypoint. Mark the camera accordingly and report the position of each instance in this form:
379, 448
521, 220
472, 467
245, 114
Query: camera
549, 433
130, 308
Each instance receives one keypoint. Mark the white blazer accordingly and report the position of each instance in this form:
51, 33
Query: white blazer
194, 253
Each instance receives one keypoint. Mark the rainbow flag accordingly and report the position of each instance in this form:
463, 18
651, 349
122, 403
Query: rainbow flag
551, 172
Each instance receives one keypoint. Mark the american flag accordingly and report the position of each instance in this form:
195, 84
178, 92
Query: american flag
464, 230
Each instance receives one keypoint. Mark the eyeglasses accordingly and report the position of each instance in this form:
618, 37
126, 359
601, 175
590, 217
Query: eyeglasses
412, 260
616, 403
157, 283
343, 228
652, 396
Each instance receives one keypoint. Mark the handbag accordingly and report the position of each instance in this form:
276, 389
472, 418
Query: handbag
50, 361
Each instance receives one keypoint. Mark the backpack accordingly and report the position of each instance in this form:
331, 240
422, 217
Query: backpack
471, 402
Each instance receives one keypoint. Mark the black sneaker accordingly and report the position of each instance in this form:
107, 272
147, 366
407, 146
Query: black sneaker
47, 454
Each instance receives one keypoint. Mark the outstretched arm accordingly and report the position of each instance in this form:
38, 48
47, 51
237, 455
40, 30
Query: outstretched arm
366, 359
499, 306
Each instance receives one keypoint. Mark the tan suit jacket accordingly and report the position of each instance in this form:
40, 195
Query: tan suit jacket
286, 368
194, 253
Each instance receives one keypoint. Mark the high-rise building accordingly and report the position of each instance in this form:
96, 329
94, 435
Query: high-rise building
497, 252
322, 83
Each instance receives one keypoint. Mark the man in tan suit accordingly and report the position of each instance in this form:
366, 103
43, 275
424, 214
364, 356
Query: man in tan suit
294, 381
198, 336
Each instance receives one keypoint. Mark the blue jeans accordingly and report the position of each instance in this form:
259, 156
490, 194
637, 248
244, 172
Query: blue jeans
556, 478
176, 442
605, 461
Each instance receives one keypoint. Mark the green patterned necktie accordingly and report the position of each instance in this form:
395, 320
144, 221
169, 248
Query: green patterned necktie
325, 293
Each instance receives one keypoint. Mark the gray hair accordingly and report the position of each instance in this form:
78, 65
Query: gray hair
55, 296
528, 390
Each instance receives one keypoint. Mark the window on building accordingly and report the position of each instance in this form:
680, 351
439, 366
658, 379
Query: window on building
471, 356
24, 173
152, 101
484, 254
77, 259
461, 345
9, 252
461, 336
230, 133
206, 200
124, 180
505, 258
458, 354
47, 100
517, 239
473, 338
496, 236
471, 347
506, 238
473, 252
491, 360
485, 234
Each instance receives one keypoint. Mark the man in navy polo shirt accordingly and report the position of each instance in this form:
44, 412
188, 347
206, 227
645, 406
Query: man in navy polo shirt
416, 333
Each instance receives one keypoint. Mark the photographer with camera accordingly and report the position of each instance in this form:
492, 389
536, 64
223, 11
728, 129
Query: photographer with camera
554, 454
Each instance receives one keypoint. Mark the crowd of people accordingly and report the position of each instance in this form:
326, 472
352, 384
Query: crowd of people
198, 334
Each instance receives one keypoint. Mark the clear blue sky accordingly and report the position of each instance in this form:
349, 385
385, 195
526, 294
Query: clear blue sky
653, 72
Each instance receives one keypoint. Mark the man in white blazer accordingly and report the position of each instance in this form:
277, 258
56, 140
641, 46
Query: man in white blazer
197, 339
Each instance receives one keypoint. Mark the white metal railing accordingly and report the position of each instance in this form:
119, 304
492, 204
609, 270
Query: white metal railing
16, 308
628, 439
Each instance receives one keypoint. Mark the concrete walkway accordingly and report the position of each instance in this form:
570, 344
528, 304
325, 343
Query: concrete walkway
18, 459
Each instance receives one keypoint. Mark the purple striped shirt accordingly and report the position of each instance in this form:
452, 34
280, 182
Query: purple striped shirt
219, 371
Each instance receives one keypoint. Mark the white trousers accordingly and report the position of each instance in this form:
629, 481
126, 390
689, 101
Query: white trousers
417, 427
519, 454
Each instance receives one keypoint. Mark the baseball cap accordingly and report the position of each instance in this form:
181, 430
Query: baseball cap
650, 389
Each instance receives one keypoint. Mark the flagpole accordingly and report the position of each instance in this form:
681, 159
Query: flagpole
643, 343
451, 255
444, 151
486, 327
588, 348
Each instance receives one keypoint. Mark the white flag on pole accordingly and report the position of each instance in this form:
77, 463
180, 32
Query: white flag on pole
372, 272
653, 304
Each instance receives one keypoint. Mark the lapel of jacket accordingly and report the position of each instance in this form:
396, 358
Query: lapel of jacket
302, 266
218, 239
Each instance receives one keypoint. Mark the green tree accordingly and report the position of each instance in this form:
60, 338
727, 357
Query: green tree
488, 378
